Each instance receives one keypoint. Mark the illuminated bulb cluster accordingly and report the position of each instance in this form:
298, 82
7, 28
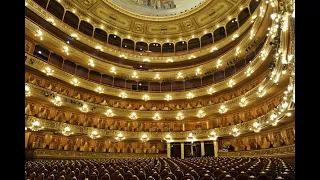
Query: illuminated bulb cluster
235, 132
252, 34
66, 50
168, 97
99, 48
66, 131
156, 117
201, 114
261, 92
39, 34
123, 95
252, 20
180, 116
213, 49
27, 91
50, 20
211, 91
255, 127
263, 55
238, 51
75, 82
113, 70
109, 113
145, 97
91, 63
192, 56
119, 137
144, 138
168, 138
190, 137
135, 75
169, 60
35, 126
248, 72
189, 95
262, 11
57, 101
99, 90
75, 36
157, 76
133, 116
235, 37
223, 109
84, 108
94, 134
179, 76
219, 63
243, 102
231, 83
48, 71
213, 136
198, 71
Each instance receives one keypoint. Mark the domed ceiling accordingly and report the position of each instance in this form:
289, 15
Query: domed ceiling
158, 7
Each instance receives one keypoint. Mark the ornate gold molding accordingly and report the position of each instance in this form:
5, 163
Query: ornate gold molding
275, 152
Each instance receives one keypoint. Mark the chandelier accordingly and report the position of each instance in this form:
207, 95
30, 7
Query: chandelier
123, 95
99, 90
235, 132
168, 97
157, 76
223, 109
213, 136
211, 91
94, 134
249, 71
109, 113
189, 95
255, 127
201, 114
243, 102
134, 75
91, 63
27, 91
261, 92
84, 108
180, 116
39, 34
113, 70
144, 138
57, 101
75, 36
48, 71
231, 83
219, 63
75, 82
198, 71
145, 97
67, 131
168, 138
179, 75
35, 125
66, 50
133, 116
156, 117
120, 137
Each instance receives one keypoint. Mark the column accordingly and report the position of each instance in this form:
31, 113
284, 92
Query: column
182, 150
168, 150
191, 149
207, 124
183, 127
216, 149
202, 149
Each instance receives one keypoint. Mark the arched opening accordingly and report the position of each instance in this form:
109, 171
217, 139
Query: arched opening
95, 76
250, 56
206, 39
143, 85
114, 40
86, 28
206, 80
193, 83
240, 64
219, 34
218, 76
181, 46
41, 52
56, 9
253, 5
100, 35
155, 47
106, 79
141, 46
193, 43
69, 66
71, 19
154, 86
166, 86
232, 26
42, 3
130, 84
167, 48
128, 44
177, 85
56, 60
119, 82
243, 16
229, 71
82, 71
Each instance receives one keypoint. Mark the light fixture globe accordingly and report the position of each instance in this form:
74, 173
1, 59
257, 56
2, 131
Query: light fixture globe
180, 116
119, 137
144, 138
94, 134
213, 135
35, 125
201, 114
133, 116
66, 131
168, 138
235, 132
27, 91
84, 108
156, 117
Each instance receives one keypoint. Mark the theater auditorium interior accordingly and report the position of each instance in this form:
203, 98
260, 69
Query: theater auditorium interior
159, 89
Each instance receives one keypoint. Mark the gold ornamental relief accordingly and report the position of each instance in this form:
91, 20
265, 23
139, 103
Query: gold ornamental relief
112, 18
161, 29
214, 13
138, 27
87, 3
188, 25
